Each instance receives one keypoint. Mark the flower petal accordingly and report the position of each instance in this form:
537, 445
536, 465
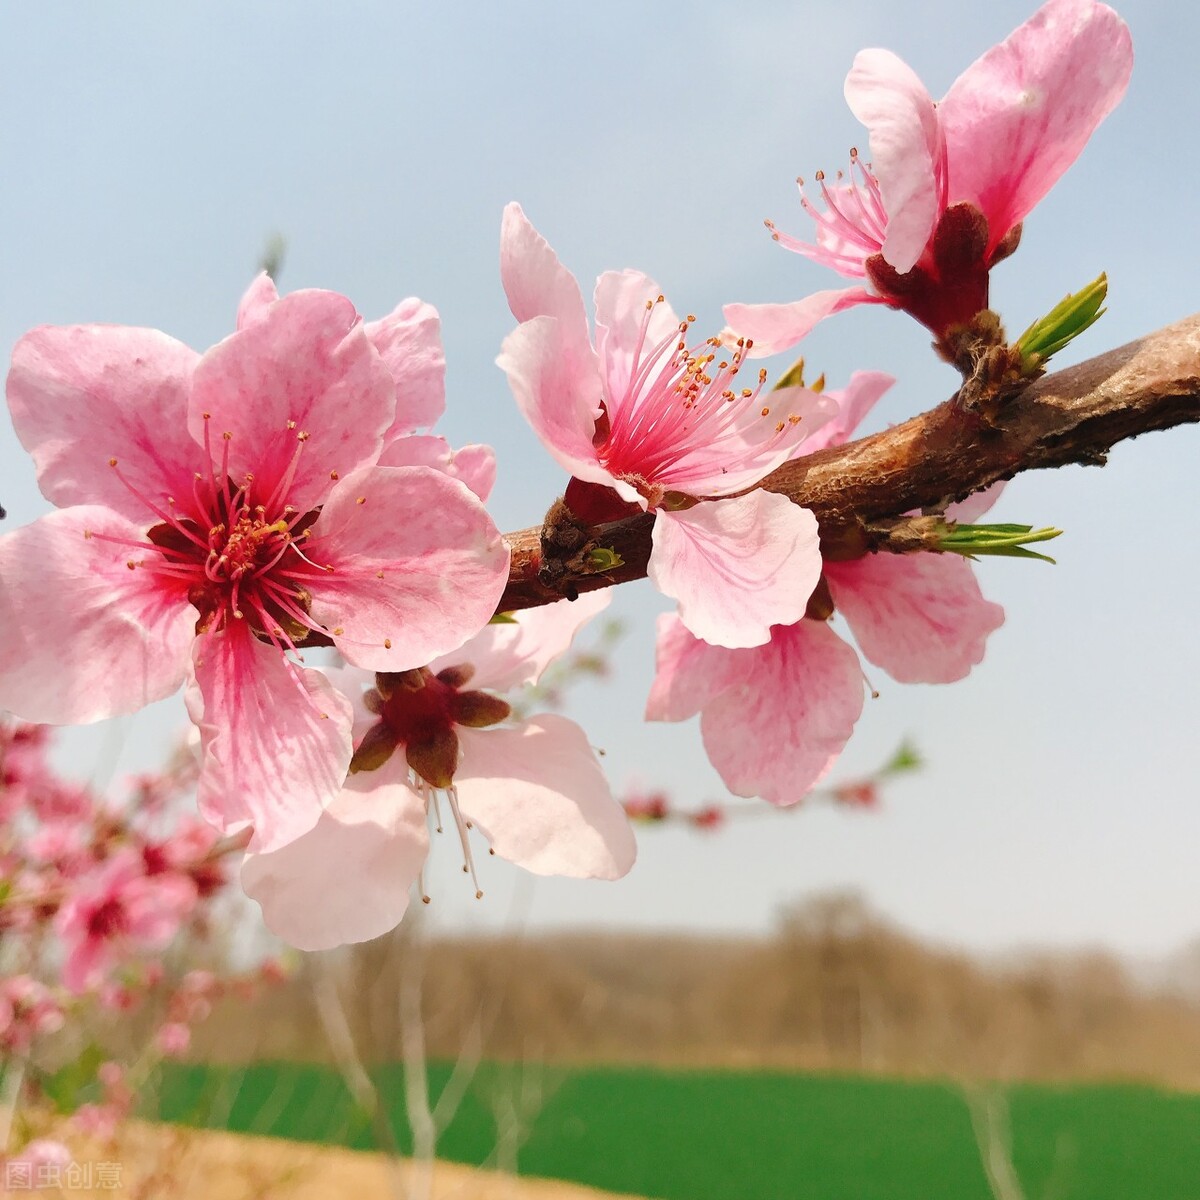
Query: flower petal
887, 96
853, 402
505, 656
274, 737
283, 386
82, 395
417, 566
557, 386
628, 303
1020, 115
921, 617
689, 674
777, 732
258, 297
775, 328
538, 794
737, 566
474, 465
535, 281
348, 879
84, 637
409, 340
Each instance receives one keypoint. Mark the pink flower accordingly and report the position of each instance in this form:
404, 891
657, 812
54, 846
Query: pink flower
774, 718
173, 1039
533, 788
950, 182
215, 510
117, 912
661, 424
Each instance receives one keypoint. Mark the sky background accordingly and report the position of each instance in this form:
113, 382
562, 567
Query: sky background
149, 151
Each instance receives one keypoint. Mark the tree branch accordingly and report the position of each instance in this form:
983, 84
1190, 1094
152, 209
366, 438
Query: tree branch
860, 492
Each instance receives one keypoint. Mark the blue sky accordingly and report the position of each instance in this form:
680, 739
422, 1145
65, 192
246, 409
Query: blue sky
150, 150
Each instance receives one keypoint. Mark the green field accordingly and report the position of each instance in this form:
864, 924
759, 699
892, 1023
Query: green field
727, 1135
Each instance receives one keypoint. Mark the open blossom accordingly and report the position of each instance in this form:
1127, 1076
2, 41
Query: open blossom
216, 509
439, 743
662, 422
775, 717
118, 910
950, 182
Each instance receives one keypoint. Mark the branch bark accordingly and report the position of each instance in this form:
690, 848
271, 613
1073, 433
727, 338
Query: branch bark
860, 492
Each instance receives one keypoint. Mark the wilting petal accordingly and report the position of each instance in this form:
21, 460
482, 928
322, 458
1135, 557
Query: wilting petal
775, 328
886, 95
274, 737
258, 297
853, 402
82, 637
777, 732
1019, 116
737, 566
556, 383
348, 879
690, 674
305, 368
921, 617
85, 394
539, 796
535, 281
507, 655
474, 465
418, 566
409, 340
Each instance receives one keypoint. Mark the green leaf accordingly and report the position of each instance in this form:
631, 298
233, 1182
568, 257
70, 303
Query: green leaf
1062, 324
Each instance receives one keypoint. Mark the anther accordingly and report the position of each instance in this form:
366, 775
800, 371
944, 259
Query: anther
361, 500
387, 643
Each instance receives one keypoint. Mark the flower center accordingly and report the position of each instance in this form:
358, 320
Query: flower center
679, 401
234, 552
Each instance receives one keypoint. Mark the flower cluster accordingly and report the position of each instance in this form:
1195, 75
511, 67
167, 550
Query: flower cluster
222, 517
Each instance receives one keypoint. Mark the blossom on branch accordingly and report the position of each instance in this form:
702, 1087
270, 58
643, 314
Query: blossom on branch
661, 424
950, 181
216, 510
442, 736
774, 718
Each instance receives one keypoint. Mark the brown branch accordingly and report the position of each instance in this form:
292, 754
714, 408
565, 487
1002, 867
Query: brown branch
860, 491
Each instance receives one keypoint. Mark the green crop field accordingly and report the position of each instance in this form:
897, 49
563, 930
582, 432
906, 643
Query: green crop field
727, 1135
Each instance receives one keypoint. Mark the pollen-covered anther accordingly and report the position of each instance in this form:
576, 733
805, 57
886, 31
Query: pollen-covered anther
387, 643
361, 500
334, 476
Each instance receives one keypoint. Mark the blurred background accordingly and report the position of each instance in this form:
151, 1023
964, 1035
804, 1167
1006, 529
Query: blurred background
152, 152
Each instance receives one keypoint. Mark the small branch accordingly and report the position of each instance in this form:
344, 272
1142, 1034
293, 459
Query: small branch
860, 491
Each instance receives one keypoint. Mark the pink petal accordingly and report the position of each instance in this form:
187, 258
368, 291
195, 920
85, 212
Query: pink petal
258, 297
556, 383
274, 738
1020, 115
539, 796
689, 674
775, 328
507, 656
155, 906
85, 394
349, 878
737, 566
535, 282
776, 733
753, 443
886, 95
418, 566
84, 637
921, 617
621, 298
299, 370
853, 402
409, 340
474, 465
976, 505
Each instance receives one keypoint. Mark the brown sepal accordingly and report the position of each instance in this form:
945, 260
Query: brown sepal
478, 710
374, 750
435, 759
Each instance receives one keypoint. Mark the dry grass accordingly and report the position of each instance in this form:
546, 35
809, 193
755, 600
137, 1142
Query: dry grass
836, 988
